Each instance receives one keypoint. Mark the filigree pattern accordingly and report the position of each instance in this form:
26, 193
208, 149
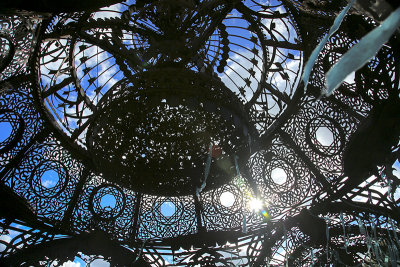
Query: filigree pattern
16, 35
106, 207
282, 177
178, 133
166, 217
21, 123
43, 179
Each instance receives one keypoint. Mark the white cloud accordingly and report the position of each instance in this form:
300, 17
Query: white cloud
281, 27
396, 194
5, 238
102, 66
396, 172
237, 71
71, 264
109, 12
360, 199
100, 263
55, 54
279, 255
48, 183
375, 187
279, 176
95, 263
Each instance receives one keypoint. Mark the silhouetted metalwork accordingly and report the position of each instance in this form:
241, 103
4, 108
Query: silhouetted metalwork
178, 133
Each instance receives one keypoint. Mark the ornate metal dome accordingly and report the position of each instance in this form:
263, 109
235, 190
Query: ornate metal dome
179, 133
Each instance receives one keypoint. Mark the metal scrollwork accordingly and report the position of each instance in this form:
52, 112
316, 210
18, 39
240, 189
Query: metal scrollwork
110, 194
180, 133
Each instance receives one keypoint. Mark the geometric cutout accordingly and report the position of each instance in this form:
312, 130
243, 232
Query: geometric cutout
227, 199
279, 176
168, 209
107, 202
49, 178
324, 136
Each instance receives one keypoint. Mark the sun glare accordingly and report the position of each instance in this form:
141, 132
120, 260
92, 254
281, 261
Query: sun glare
255, 204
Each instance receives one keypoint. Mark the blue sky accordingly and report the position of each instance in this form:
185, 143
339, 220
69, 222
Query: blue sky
6, 130
102, 65
109, 74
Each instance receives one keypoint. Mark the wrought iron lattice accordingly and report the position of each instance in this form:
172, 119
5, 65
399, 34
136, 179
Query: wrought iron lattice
179, 133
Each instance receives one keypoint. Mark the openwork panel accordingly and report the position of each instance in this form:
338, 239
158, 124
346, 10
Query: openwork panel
263, 61
74, 74
321, 130
353, 239
163, 217
178, 133
19, 122
344, 238
16, 40
326, 8
46, 178
105, 206
228, 253
254, 247
283, 179
279, 252
224, 208
257, 59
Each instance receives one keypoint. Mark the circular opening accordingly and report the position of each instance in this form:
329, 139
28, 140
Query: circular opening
49, 179
324, 136
279, 176
108, 202
168, 209
6, 130
227, 199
